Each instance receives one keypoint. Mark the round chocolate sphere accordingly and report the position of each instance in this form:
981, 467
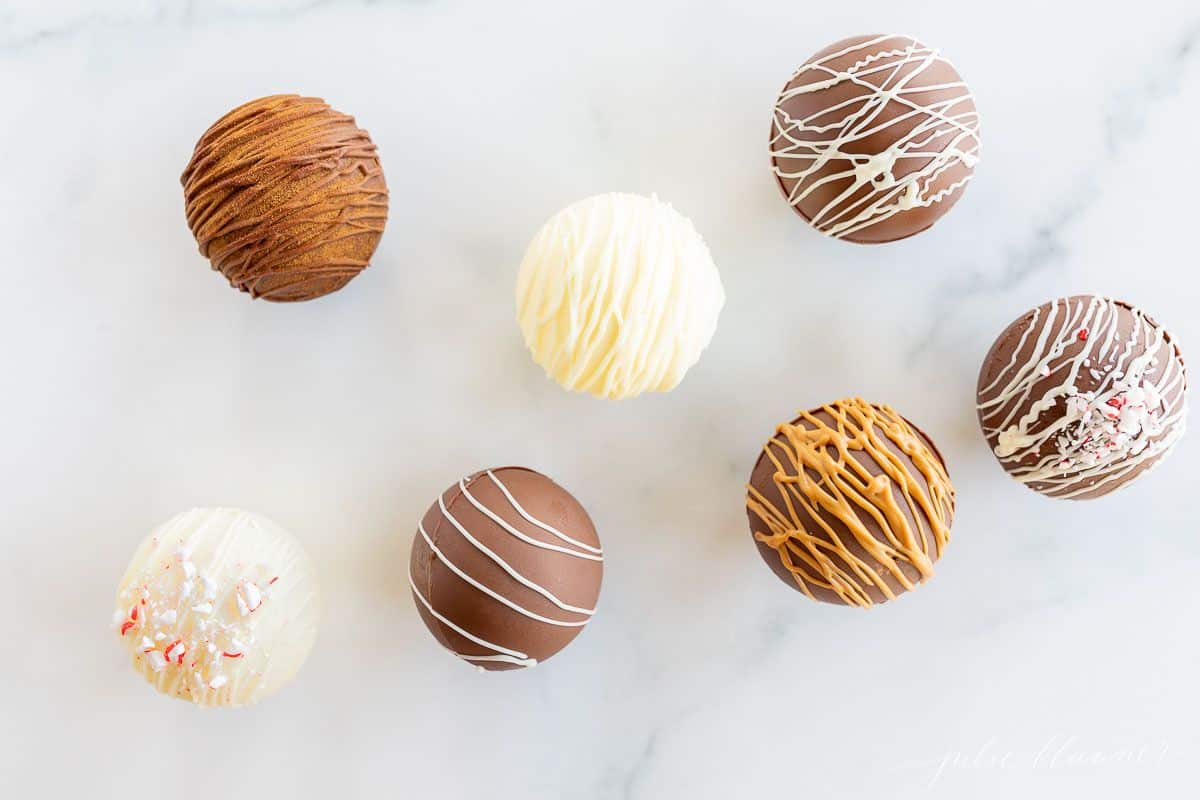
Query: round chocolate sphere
286, 198
618, 295
850, 503
219, 607
505, 568
1081, 396
874, 138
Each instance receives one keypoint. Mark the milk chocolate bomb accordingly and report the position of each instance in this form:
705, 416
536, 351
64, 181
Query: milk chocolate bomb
874, 138
505, 568
1081, 396
286, 198
850, 503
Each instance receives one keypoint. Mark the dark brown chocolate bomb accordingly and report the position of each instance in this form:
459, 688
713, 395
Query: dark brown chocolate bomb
1082, 395
874, 138
506, 568
850, 504
286, 198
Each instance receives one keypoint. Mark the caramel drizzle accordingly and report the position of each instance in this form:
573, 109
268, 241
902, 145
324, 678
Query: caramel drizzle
815, 472
247, 159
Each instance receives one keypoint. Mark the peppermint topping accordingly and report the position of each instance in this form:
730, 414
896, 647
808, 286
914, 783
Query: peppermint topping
249, 597
190, 621
1110, 406
1109, 427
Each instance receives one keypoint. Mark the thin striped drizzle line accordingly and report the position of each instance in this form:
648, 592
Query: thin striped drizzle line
815, 472
1101, 436
808, 147
593, 553
489, 591
504, 654
252, 152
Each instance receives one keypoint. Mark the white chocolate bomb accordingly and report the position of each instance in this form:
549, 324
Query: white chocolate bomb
219, 607
618, 295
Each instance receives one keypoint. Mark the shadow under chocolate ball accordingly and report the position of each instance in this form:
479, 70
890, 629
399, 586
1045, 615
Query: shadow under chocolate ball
850, 504
286, 197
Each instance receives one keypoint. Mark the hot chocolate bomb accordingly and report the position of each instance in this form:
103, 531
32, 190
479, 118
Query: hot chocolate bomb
1081, 396
286, 198
850, 504
505, 568
218, 607
874, 138
618, 295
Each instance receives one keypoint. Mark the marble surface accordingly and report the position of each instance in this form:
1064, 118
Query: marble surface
1055, 653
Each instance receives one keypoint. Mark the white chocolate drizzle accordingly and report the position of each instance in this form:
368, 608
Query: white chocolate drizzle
492, 593
618, 295
501, 653
944, 134
1136, 413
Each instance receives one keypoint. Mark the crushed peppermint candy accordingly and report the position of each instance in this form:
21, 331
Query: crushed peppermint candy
176, 651
249, 597
175, 619
1110, 426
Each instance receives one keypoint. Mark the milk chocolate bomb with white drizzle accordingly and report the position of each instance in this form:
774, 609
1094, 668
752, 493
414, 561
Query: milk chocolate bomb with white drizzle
505, 568
874, 138
1081, 396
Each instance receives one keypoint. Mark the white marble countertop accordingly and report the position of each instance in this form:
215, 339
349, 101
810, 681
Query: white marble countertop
1055, 653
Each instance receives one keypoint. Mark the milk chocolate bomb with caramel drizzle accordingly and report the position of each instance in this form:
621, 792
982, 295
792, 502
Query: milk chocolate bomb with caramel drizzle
505, 568
1081, 396
874, 138
850, 503
286, 197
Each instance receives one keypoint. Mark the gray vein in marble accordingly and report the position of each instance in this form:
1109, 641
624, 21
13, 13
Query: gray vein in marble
16, 38
639, 767
1124, 125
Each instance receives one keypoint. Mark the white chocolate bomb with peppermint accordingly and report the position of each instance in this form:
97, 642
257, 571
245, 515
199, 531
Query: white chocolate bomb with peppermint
1081, 396
219, 607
